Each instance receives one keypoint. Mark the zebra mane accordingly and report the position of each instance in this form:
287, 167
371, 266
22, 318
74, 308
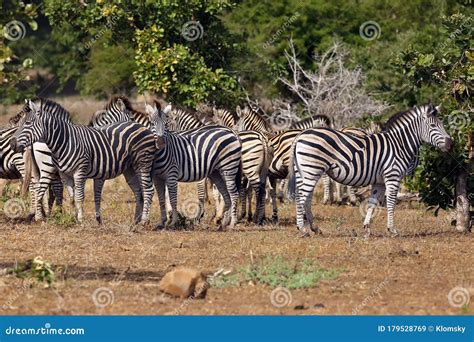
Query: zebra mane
50, 107
395, 119
113, 101
15, 121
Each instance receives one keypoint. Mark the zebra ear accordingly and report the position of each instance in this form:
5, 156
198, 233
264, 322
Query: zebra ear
121, 106
167, 109
238, 110
149, 109
438, 108
33, 107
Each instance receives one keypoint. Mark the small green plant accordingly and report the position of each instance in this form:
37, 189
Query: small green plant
36, 269
279, 271
62, 218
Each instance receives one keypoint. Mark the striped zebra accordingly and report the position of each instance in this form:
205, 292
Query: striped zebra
36, 162
380, 160
257, 154
359, 132
81, 152
212, 152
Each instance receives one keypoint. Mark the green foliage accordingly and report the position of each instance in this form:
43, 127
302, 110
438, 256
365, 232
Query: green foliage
186, 66
36, 269
449, 71
109, 71
62, 218
15, 18
277, 271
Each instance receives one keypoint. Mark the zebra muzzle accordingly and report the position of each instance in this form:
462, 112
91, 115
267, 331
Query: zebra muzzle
159, 142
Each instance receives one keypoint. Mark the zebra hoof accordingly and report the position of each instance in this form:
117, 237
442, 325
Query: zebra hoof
30, 218
393, 232
160, 227
316, 230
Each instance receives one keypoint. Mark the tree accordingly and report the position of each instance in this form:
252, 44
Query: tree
332, 89
181, 49
15, 18
448, 68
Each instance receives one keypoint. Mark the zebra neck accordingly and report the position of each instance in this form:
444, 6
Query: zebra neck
406, 138
60, 137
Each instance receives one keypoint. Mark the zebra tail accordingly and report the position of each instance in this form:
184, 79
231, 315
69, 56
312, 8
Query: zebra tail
238, 178
28, 160
291, 173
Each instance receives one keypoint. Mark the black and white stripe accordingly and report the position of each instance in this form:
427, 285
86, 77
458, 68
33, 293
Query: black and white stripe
207, 152
81, 152
380, 159
257, 154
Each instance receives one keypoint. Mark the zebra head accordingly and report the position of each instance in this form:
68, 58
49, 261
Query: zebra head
432, 129
31, 127
158, 119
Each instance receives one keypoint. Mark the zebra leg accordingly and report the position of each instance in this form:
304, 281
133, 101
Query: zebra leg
79, 185
134, 184
58, 188
146, 187
40, 189
391, 197
202, 194
273, 194
243, 198
69, 183
327, 197
98, 186
352, 195
338, 197
172, 185
250, 190
304, 192
219, 203
377, 191
160, 186
32, 191
220, 184
232, 189
260, 193
281, 190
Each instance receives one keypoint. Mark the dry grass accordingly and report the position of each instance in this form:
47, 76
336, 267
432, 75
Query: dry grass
410, 274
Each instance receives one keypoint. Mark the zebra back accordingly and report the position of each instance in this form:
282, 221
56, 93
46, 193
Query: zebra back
312, 122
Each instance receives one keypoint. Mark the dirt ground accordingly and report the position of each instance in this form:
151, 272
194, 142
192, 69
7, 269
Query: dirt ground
409, 274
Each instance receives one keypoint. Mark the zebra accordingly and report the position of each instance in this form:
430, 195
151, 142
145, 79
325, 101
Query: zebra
35, 161
212, 152
80, 152
359, 132
256, 156
380, 160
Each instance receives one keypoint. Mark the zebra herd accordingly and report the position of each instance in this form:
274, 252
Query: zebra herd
238, 153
